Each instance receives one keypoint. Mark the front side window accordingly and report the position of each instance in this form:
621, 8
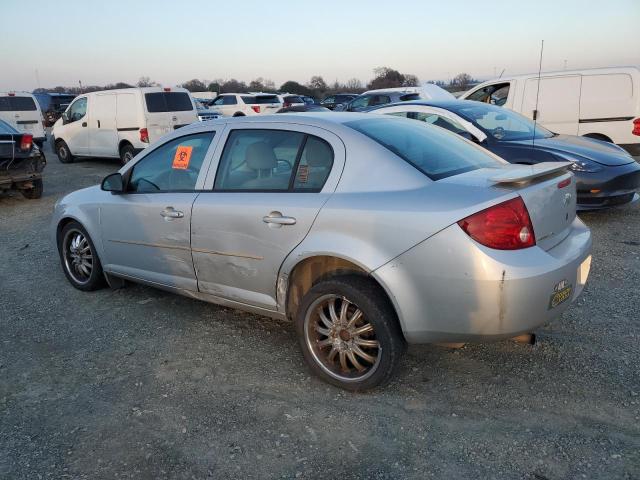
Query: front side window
437, 120
218, 101
229, 100
173, 166
328, 100
379, 100
265, 160
78, 109
360, 102
433, 151
17, 104
495, 94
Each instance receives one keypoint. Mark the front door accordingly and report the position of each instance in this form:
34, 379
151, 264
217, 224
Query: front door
269, 187
146, 231
75, 131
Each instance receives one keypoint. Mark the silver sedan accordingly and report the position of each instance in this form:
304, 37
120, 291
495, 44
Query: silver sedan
368, 231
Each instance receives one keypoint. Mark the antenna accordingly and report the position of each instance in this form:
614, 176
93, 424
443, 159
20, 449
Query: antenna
535, 112
502, 72
80, 83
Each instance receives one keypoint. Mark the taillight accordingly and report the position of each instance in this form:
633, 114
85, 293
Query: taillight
505, 226
636, 127
144, 135
287, 104
255, 108
27, 142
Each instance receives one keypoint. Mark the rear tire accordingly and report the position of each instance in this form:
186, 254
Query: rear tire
349, 333
63, 152
598, 136
238, 114
35, 191
79, 258
127, 152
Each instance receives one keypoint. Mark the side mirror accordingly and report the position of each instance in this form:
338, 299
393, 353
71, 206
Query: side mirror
65, 118
113, 183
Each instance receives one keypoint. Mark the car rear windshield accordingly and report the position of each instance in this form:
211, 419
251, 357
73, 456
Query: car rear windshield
168, 102
17, 104
293, 99
433, 150
262, 99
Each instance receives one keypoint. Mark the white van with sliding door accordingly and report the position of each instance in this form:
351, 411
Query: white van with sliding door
601, 103
22, 111
120, 123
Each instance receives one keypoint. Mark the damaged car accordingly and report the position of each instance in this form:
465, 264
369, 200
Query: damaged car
21, 162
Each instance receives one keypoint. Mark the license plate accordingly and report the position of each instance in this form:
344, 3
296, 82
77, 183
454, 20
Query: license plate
560, 296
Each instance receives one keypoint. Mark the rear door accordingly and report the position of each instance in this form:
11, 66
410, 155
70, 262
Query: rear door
103, 135
259, 205
167, 111
557, 104
22, 113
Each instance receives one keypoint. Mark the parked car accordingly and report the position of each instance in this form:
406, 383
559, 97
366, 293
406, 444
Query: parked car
333, 101
379, 97
21, 162
120, 123
22, 112
53, 105
244, 104
606, 174
303, 108
600, 103
202, 108
285, 216
288, 100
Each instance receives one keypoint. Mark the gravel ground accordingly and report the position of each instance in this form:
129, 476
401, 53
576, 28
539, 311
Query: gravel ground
138, 383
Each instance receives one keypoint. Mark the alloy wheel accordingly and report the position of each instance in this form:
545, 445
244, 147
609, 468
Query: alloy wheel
78, 257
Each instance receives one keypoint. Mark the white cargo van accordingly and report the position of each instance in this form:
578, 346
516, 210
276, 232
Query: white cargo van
22, 111
120, 123
602, 103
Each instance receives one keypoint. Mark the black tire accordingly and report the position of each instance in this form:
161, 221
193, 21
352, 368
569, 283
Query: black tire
35, 191
127, 152
63, 152
238, 114
598, 136
361, 294
95, 279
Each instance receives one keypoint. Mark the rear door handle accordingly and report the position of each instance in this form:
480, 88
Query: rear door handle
169, 213
277, 220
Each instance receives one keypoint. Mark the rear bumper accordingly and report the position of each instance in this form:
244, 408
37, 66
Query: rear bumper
610, 187
452, 289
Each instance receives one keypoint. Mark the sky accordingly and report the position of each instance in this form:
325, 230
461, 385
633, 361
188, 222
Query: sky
67, 41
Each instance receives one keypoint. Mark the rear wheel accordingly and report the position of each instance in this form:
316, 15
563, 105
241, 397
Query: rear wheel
238, 114
79, 259
127, 152
63, 152
35, 191
598, 136
349, 334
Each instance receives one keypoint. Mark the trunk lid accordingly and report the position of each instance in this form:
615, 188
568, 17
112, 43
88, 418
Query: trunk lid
548, 190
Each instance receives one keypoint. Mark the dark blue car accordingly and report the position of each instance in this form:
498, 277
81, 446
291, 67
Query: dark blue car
606, 174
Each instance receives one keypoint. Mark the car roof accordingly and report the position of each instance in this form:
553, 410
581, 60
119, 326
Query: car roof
445, 104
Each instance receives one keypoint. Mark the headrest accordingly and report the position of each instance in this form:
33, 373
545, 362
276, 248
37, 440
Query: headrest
260, 156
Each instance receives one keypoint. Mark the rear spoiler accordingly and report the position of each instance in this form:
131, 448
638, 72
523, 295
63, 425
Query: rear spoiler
526, 173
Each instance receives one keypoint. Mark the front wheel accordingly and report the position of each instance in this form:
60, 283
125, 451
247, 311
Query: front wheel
79, 258
349, 333
63, 152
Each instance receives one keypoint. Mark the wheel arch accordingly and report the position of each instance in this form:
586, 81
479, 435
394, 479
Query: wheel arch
123, 143
598, 136
311, 270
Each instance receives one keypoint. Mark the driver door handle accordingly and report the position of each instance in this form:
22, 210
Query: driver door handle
169, 213
277, 220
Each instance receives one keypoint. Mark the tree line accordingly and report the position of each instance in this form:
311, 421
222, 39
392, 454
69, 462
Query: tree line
384, 77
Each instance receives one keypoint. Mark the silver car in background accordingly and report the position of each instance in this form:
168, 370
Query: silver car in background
368, 231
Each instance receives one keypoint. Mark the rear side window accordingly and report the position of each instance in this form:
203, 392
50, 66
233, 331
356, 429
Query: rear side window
410, 96
432, 150
293, 99
17, 104
273, 160
168, 102
174, 166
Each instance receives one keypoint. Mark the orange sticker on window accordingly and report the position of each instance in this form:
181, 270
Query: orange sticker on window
182, 157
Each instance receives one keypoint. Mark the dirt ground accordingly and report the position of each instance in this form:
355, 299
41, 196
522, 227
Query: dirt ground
139, 383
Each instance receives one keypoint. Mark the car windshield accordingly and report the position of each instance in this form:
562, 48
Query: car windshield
502, 124
433, 150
